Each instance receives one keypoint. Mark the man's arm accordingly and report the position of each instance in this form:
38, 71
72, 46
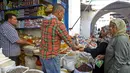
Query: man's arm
23, 42
12, 36
62, 32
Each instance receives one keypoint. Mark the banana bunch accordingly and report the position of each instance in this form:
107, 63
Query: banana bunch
41, 11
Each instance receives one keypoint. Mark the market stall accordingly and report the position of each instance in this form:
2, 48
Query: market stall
30, 14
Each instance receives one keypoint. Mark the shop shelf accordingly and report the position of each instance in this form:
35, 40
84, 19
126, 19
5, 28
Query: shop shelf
46, 1
27, 28
30, 17
24, 7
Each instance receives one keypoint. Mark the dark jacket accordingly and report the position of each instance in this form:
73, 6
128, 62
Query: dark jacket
101, 49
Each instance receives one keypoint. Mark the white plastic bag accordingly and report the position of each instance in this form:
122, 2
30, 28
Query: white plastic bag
68, 61
30, 62
7, 65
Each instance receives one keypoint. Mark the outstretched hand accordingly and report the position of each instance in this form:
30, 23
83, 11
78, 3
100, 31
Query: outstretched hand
100, 57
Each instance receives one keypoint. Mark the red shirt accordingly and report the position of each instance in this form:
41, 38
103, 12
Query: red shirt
53, 31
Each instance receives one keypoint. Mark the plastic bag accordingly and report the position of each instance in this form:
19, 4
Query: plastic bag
29, 50
30, 62
69, 60
85, 62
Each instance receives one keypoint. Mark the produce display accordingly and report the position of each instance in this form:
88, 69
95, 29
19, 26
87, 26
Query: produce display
85, 62
41, 11
81, 61
71, 60
83, 42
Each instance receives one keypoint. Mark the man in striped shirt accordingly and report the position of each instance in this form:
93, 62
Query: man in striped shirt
53, 32
9, 39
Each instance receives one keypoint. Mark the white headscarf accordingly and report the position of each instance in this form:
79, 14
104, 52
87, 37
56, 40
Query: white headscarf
121, 27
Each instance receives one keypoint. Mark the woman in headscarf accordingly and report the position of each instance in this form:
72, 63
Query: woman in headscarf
101, 48
117, 57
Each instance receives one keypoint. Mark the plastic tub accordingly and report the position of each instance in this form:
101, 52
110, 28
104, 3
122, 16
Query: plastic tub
18, 69
76, 71
33, 71
5, 62
7, 66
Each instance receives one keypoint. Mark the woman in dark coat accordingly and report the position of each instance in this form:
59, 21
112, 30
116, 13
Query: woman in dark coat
101, 48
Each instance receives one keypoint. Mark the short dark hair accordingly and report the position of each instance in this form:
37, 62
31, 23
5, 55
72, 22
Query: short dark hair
9, 16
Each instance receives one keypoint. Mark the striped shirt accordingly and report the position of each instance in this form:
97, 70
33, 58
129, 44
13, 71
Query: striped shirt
53, 32
8, 38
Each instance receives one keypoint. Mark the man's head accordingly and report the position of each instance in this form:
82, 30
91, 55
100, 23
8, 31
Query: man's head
11, 18
58, 11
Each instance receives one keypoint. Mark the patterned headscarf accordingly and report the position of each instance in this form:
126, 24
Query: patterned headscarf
107, 36
121, 27
106, 29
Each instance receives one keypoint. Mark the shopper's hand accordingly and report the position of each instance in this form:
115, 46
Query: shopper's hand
81, 49
100, 57
74, 48
87, 46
